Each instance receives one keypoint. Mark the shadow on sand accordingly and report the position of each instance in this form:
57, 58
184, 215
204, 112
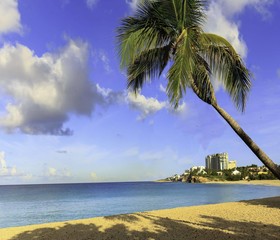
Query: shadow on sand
163, 229
272, 202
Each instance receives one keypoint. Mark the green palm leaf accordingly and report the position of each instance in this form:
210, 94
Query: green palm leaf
146, 30
184, 64
228, 67
149, 64
202, 84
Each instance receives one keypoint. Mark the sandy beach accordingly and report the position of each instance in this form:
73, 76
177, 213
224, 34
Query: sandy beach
253, 219
253, 182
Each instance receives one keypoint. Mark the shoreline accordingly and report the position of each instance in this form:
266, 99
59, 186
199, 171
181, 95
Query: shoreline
275, 183
251, 182
252, 219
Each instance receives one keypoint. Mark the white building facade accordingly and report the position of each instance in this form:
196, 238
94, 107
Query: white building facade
218, 161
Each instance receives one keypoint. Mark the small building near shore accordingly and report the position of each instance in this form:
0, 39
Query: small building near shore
232, 164
236, 172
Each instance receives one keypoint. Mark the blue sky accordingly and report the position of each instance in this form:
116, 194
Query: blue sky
65, 113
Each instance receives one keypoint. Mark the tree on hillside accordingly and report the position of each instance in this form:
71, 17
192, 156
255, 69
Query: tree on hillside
170, 31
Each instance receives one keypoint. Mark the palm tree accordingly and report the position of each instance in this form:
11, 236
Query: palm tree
170, 31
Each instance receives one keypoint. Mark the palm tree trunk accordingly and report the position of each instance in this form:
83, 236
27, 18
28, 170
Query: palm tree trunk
249, 142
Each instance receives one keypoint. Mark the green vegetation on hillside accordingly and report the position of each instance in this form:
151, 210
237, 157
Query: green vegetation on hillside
252, 172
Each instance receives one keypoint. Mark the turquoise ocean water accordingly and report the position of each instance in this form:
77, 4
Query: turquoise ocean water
34, 204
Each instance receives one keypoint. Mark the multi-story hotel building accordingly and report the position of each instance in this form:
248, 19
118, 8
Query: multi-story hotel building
217, 161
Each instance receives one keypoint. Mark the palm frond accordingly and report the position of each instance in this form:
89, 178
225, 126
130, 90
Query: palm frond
227, 65
184, 64
149, 64
174, 27
195, 13
150, 27
190, 13
202, 84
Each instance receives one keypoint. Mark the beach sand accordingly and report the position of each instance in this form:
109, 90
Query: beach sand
254, 219
252, 182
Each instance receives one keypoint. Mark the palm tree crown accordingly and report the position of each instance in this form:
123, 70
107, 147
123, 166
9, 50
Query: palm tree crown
170, 31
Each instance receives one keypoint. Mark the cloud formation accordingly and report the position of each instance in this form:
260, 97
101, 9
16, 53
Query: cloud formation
52, 172
145, 105
219, 23
220, 20
4, 169
9, 17
233, 7
148, 105
41, 92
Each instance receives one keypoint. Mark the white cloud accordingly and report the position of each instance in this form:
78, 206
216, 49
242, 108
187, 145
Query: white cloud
105, 92
3, 165
91, 3
218, 23
52, 172
9, 17
44, 91
4, 169
40, 93
146, 106
220, 19
110, 97
233, 7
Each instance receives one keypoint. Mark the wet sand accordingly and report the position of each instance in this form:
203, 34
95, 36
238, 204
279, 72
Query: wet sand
254, 219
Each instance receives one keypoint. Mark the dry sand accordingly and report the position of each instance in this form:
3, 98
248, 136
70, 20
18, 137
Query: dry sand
254, 219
